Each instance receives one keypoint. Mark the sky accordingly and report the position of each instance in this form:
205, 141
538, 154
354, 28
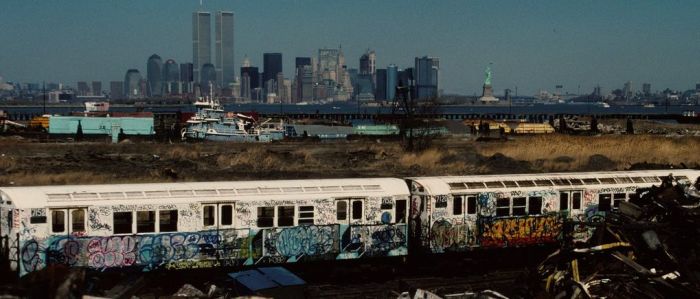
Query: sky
533, 45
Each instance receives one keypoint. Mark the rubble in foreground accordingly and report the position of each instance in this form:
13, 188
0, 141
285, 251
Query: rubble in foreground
647, 248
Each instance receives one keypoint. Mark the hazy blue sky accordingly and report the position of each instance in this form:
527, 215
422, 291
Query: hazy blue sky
532, 44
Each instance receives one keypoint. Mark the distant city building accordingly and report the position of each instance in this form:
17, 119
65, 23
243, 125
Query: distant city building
82, 89
368, 65
380, 90
272, 65
303, 85
597, 92
392, 80
328, 64
97, 88
132, 84
171, 77
627, 91
427, 71
186, 77
201, 42
697, 87
116, 90
225, 69
208, 79
154, 75
52, 86
301, 61
646, 89
254, 74
245, 87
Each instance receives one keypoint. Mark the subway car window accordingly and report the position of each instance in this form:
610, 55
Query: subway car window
77, 220
209, 215
167, 221
145, 221
58, 221
357, 209
266, 216
401, 211
226, 215
341, 210
285, 215
123, 222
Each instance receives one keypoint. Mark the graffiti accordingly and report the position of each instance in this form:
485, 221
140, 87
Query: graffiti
446, 236
325, 211
167, 207
27, 231
311, 240
487, 203
31, 256
95, 220
38, 212
373, 210
111, 252
147, 251
15, 218
383, 238
244, 216
508, 232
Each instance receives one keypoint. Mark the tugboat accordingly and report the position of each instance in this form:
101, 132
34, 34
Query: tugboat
211, 122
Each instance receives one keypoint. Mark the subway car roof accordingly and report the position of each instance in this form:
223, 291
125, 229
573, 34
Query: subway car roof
441, 185
183, 192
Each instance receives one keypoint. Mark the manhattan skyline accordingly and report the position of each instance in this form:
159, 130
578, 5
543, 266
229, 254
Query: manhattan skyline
532, 46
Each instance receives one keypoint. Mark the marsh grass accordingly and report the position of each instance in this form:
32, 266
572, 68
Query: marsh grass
624, 150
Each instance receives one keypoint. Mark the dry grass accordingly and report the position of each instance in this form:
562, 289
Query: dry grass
55, 164
562, 152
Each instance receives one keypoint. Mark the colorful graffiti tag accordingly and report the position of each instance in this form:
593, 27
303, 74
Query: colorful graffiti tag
212, 248
513, 232
447, 236
148, 251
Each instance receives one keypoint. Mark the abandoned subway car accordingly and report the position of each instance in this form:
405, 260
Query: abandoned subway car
211, 224
194, 225
459, 213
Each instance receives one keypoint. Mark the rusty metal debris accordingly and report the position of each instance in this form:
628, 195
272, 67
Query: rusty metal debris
647, 248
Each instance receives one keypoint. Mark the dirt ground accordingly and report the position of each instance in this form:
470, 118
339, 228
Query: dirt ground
23, 162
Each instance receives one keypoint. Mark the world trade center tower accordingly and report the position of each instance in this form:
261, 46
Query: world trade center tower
225, 69
201, 42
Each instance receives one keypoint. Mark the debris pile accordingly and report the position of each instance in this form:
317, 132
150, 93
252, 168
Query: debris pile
646, 248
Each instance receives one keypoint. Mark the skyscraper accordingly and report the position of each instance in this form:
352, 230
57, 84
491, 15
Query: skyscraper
116, 90
328, 64
254, 74
132, 84
225, 69
96, 88
392, 80
201, 42
380, 90
171, 77
368, 63
272, 65
646, 89
154, 74
186, 77
426, 76
208, 79
303, 71
83, 88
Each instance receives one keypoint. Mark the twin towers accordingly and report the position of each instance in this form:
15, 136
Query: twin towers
220, 71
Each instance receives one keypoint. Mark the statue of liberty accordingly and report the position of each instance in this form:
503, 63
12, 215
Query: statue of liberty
487, 81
